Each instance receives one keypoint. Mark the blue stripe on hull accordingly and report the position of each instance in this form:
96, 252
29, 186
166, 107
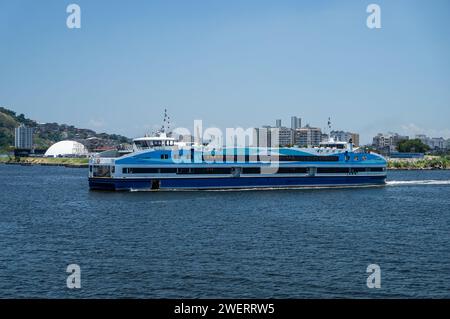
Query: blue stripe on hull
241, 182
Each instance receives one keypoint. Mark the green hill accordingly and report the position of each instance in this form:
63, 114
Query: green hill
50, 133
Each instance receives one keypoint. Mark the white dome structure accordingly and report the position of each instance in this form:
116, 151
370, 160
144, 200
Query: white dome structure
66, 149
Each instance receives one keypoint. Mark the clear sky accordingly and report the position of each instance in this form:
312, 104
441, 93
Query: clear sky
230, 63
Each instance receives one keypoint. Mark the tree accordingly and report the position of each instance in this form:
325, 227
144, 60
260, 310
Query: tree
412, 146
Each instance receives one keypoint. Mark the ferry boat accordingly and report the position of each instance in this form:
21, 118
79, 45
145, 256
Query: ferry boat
161, 163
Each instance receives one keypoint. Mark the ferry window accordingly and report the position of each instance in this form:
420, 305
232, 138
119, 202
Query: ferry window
168, 170
102, 171
205, 170
140, 170
376, 169
90, 168
307, 158
332, 170
162, 156
292, 170
359, 169
183, 170
251, 170
356, 158
113, 169
166, 156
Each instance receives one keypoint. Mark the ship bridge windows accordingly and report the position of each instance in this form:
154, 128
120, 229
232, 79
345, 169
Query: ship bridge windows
101, 171
338, 146
144, 144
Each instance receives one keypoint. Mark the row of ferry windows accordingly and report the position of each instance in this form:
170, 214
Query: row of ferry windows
152, 143
245, 170
258, 158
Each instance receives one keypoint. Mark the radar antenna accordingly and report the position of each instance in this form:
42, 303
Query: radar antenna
165, 128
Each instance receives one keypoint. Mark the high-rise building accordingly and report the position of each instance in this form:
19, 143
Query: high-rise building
285, 136
355, 138
262, 137
273, 137
296, 122
278, 123
308, 136
23, 137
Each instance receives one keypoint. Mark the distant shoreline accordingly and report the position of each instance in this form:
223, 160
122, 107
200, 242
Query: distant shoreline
47, 161
47, 164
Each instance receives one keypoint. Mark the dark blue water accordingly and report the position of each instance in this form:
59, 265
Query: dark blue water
288, 243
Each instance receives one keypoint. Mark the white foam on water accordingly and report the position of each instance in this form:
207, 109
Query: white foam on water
419, 182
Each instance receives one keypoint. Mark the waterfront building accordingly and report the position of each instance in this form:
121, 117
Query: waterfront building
23, 137
437, 143
308, 136
267, 136
285, 136
387, 143
262, 137
434, 143
67, 149
355, 138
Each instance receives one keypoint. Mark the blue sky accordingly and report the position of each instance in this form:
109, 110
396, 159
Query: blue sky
230, 63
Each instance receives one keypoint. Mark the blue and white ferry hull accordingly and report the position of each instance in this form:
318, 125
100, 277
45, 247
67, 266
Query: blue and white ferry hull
214, 183
168, 169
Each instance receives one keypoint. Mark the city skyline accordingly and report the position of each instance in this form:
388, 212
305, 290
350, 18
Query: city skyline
230, 65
